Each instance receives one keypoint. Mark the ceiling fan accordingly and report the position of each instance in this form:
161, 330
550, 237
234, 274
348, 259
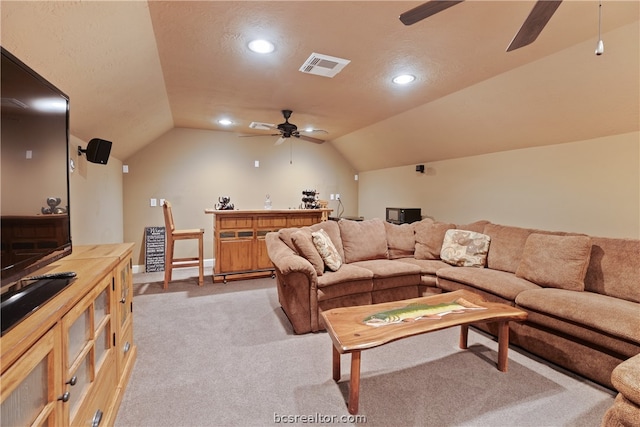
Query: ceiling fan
541, 13
287, 130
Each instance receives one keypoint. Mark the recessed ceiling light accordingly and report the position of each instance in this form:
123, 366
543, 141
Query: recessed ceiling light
261, 46
225, 122
403, 79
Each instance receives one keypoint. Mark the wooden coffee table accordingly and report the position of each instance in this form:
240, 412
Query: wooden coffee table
351, 335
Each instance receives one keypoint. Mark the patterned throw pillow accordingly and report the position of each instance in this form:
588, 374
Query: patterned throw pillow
465, 248
326, 249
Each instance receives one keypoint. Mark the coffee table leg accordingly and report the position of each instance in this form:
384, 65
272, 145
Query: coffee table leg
503, 346
354, 382
336, 364
464, 334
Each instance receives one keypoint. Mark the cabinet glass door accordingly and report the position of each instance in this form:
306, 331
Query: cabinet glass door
29, 396
86, 331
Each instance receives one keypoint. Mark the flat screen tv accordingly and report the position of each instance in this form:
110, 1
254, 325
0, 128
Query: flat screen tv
34, 152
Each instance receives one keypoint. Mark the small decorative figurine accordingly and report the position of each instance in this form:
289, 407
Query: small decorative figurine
267, 202
53, 208
224, 204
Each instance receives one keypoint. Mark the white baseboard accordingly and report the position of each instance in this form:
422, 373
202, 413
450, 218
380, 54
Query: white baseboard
139, 275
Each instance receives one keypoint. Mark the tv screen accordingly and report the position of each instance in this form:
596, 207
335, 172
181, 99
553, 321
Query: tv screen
34, 152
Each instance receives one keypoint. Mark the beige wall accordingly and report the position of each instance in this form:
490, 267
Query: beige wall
95, 199
191, 168
590, 186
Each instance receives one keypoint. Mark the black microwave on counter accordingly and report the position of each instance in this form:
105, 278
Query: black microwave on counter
403, 215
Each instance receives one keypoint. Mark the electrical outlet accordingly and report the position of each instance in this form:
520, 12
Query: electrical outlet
153, 203
337, 196
161, 202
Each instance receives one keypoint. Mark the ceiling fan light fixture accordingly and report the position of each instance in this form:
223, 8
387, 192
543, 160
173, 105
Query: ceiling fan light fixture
225, 122
261, 46
403, 79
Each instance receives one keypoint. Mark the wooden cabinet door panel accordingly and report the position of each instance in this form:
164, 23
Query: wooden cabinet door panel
235, 255
30, 387
263, 256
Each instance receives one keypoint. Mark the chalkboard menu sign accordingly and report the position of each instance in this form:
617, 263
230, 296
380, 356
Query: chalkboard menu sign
154, 249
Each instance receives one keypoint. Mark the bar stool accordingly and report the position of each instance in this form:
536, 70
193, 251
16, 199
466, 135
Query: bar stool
172, 236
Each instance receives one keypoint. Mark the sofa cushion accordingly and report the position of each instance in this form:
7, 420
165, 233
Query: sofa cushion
363, 240
626, 379
477, 226
346, 273
427, 266
389, 274
429, 237
465, 248
332, 229
326, 249
612, 316
401, 242
614, 268
285, 236
501, 283
303, 242
507, 244
555, 261
388, 268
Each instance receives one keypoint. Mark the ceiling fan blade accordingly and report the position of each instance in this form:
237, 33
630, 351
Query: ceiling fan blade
310, 139
264, 134
541, 13
280, 140
425, 10
314, 130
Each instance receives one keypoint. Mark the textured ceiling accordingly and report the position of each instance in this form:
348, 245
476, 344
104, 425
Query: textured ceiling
134, 70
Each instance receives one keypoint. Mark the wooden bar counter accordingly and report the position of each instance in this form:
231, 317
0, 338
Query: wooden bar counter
238, 237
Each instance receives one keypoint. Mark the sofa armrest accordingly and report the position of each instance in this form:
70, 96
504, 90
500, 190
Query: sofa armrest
626, 379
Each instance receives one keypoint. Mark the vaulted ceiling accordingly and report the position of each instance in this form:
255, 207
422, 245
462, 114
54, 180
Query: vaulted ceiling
135, 69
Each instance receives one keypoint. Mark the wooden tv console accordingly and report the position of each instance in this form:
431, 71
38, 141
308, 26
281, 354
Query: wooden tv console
68, 362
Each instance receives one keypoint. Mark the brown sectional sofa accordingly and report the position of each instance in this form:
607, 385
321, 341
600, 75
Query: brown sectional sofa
581, 293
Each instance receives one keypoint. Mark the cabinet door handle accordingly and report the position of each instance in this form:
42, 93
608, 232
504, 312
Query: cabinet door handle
123, 300
72, 381
126, 347
97, 417
65, 397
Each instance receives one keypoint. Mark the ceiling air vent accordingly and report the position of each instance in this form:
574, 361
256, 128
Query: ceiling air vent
323, 65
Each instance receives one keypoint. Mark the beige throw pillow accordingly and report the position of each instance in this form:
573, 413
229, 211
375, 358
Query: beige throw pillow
465, 248
326, 249
555, 261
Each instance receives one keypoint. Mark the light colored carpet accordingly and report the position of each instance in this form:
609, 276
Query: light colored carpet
225, 355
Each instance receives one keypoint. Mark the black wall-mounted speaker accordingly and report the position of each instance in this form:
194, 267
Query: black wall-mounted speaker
97, 151
420, 168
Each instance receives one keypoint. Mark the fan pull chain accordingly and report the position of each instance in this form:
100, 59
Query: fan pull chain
600, 45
